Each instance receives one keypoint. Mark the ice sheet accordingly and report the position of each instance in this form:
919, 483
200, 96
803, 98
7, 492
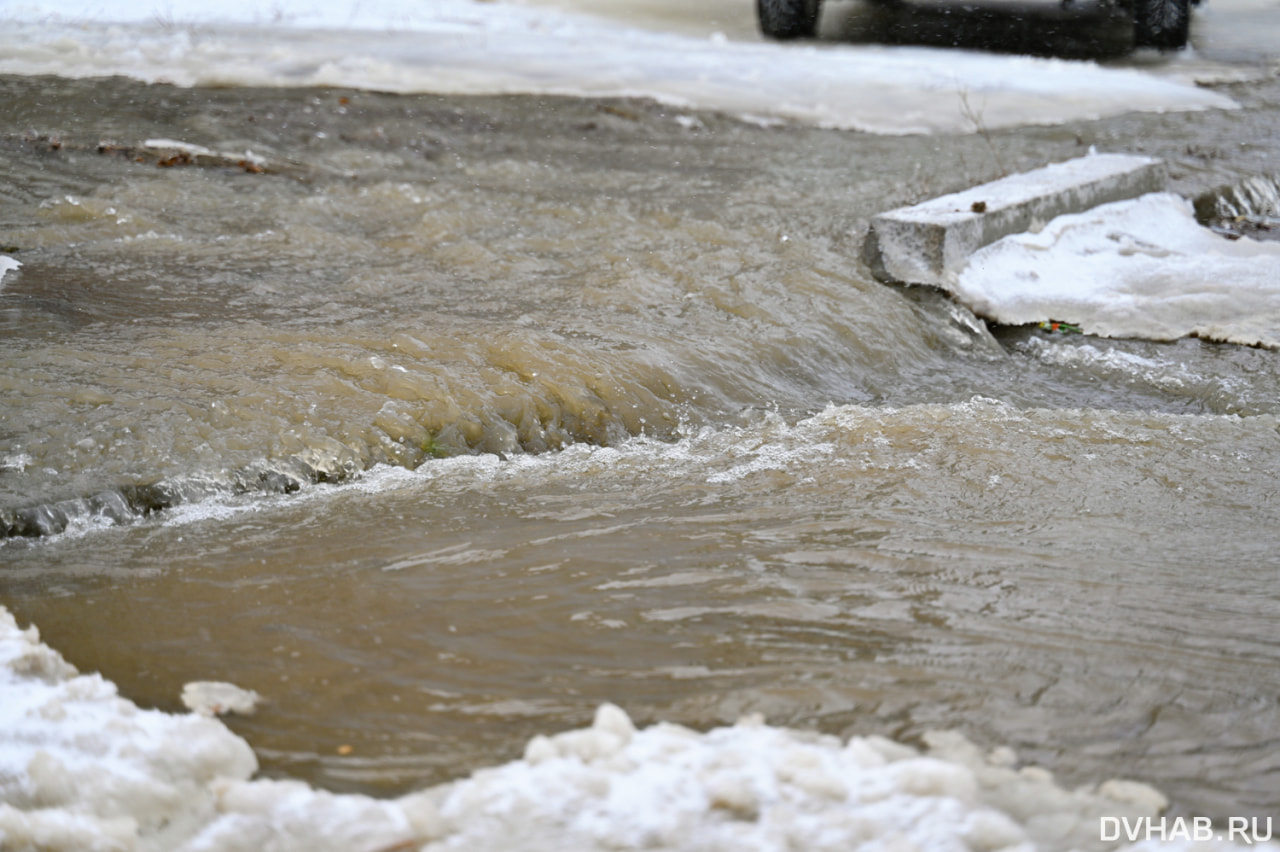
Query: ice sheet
1143, 268
465, 47
83, 769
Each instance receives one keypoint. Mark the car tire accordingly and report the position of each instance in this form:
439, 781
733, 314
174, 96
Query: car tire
788, 19
1165, 24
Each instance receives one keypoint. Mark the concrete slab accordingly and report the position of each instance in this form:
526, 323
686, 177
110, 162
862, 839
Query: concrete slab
931, 242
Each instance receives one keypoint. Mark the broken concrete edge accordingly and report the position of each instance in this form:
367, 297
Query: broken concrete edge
929, 243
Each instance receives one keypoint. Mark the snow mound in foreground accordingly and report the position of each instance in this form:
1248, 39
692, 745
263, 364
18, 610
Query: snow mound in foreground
1142, 268
83, 769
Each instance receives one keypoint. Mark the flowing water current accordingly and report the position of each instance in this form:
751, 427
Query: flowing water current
439, 421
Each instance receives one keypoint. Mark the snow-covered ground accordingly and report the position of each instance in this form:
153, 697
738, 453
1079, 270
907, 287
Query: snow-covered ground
84, 770
470, 47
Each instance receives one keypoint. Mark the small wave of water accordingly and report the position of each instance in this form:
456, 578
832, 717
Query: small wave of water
1249, 208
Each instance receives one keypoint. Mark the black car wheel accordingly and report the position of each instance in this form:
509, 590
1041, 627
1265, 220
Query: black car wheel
787, 19
1165, 24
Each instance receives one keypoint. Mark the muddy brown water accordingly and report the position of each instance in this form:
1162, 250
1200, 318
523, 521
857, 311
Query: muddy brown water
439, 421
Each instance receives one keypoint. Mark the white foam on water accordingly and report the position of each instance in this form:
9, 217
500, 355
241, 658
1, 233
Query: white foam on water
215, 508
1142, 268
15, 462
465, 47
749, 456
724, 458
1165, 374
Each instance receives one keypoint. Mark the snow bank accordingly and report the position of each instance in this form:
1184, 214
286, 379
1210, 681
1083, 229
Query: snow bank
82, 769
1143, 268
757, 787
466, 47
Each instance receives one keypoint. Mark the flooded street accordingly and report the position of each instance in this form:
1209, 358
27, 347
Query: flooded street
440, 420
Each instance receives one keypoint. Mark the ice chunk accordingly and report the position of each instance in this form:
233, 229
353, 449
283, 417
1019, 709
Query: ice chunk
176, 145
6, 263
212, 698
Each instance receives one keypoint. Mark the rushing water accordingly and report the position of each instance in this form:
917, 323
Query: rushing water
438, 421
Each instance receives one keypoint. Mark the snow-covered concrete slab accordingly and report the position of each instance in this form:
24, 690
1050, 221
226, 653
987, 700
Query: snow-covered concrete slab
1143, 268
929, 243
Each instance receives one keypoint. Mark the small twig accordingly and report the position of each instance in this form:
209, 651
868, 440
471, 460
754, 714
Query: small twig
974, 117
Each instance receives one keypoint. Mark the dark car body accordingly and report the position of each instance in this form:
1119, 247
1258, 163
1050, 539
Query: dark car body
1163, 24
